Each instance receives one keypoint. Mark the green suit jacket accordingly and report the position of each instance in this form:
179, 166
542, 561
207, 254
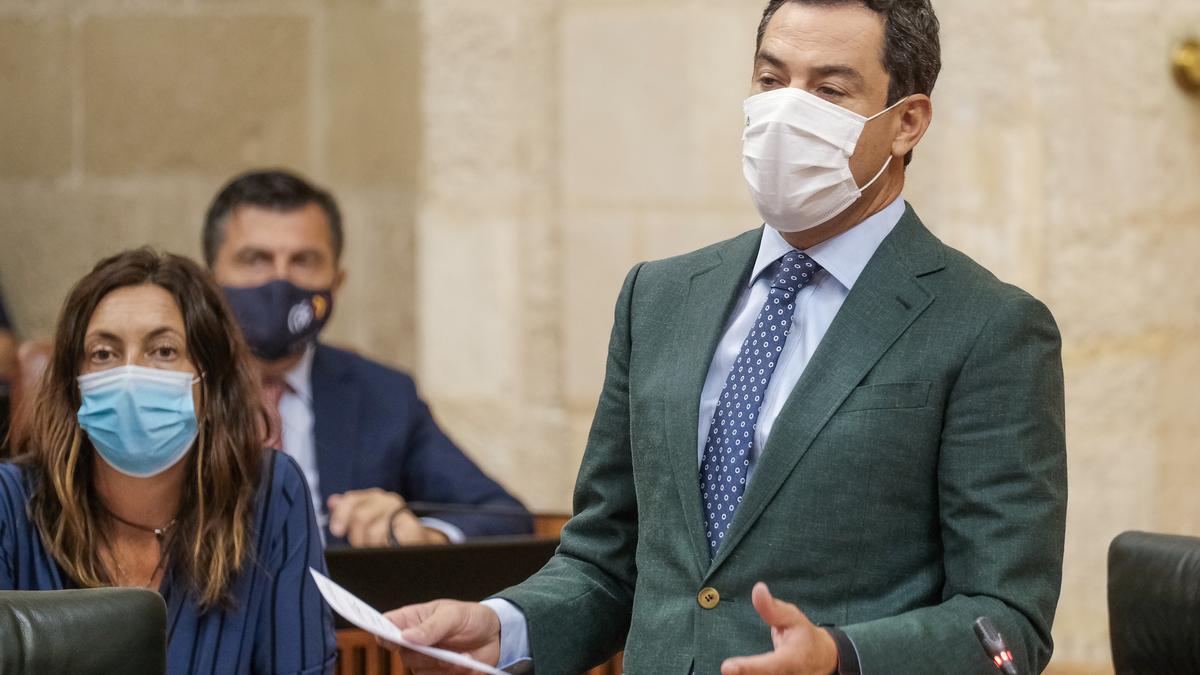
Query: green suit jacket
914, 480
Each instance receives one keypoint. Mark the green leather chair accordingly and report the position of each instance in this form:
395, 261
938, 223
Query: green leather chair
1154, 604
100, 630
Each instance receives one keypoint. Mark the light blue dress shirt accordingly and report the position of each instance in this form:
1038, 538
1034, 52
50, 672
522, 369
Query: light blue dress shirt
843, 259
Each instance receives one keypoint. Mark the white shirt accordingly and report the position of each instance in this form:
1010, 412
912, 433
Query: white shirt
297, 435
843, 258
300, 442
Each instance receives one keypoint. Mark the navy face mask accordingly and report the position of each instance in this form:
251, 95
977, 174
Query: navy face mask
279, 318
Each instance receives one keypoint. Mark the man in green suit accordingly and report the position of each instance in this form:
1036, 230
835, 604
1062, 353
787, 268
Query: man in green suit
827, 445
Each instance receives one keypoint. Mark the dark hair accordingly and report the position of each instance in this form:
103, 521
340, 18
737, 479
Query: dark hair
912, 52
273, 189
212, 532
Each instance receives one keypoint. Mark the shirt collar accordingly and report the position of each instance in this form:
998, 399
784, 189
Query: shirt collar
299, 378
845, 256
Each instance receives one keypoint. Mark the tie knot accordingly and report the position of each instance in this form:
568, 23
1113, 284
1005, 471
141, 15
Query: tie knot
274, 388
794, 271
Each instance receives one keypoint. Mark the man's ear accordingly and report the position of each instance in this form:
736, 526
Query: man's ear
916, 113
338, 280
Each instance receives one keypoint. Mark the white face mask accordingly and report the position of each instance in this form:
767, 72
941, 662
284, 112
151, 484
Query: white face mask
796, 157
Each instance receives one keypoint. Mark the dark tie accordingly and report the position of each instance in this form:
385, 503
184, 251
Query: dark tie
727, 450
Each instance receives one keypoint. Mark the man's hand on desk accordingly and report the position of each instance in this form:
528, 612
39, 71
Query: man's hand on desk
367, 518
800, 646
449, 624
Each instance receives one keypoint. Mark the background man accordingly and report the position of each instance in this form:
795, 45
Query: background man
365, 439
837, 405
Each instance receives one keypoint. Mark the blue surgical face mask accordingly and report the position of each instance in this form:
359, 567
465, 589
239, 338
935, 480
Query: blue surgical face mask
142, 421
279, 318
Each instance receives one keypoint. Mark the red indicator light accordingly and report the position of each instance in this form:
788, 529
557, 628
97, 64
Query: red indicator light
999, 661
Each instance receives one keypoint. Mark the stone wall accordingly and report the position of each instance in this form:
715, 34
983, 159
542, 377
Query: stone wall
502, 164
122, 119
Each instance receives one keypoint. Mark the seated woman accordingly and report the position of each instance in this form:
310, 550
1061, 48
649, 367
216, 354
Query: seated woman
143, 465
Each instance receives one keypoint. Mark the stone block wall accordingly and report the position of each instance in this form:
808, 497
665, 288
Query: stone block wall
121, 120
503, 164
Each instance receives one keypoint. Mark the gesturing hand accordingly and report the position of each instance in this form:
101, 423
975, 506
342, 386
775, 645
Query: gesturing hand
464, 627
801, 648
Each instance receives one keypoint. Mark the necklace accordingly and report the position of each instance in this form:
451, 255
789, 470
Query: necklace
160, 534
125, 576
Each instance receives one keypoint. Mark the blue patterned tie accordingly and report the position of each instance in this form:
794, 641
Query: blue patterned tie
727, 449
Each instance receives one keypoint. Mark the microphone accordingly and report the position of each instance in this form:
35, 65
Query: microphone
993, 644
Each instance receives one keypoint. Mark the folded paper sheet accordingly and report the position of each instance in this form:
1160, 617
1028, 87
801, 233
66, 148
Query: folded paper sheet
365, 617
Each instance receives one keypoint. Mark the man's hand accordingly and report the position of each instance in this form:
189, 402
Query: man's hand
364, 516
458, 626
800, 647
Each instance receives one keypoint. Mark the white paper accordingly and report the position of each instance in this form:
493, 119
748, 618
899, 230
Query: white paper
365, 617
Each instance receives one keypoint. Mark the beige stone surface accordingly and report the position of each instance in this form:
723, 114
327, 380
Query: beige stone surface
649, 115
375, 311
194, 94
161, 103
1178, 433
1113, 470
488, 238
60, 234
595, 261
617, 146
503, 164
371, 94
36, 76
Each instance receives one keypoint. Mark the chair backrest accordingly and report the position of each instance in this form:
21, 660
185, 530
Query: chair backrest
33, 358
97, 630
1154, 603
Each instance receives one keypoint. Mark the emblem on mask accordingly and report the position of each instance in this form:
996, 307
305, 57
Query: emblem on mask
299, 317
320, 307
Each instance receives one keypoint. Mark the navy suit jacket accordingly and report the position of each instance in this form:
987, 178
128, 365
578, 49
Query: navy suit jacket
373, 431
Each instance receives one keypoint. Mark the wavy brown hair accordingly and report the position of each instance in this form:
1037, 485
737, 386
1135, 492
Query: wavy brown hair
212, 536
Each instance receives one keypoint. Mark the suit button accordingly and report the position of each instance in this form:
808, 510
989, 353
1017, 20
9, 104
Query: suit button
708, 597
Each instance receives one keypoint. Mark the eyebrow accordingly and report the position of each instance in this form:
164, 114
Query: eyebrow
771, 59
308, 250
254, 249
113, 337
830, 70
847, 72
250, 249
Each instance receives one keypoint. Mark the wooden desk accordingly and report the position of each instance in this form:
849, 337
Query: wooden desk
390, 578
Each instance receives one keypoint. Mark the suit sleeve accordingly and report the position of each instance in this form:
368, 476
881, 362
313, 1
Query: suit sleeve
1002, 507
11, 499
435, 470
578, 606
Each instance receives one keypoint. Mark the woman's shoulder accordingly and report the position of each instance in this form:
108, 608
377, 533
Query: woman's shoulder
14, 480
14, 496
285, 517
283, 480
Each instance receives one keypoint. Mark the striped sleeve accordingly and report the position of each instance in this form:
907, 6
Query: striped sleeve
12, 505
295, 625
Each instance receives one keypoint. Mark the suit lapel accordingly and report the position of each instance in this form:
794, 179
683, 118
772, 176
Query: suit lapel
335, 421
712, 292
884, 302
